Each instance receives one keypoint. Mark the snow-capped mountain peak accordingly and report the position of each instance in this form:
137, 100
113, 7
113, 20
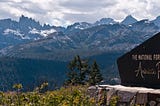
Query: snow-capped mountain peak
157, 21
79, 25
129, 20
105, 21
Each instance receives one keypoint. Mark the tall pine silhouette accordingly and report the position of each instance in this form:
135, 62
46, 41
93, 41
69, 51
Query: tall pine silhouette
77, 71
80, 72
95, 76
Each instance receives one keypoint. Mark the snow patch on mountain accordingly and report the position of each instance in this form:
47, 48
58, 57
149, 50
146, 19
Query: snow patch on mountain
147, 21
104, 21
82, 25
43, 33
79, 27
15, 32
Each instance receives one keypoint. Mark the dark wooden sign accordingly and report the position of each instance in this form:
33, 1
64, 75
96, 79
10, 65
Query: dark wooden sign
141, 66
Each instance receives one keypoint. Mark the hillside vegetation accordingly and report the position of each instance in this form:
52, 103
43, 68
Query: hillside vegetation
80, 76
65, 96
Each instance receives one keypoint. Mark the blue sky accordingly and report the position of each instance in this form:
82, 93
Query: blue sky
64, 12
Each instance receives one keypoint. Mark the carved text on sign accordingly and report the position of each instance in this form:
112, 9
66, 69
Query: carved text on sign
146, 57
142, 71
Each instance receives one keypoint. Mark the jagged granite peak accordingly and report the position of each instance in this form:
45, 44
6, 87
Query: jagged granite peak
79, 25
6, 20
144, 26
46, 26
144, 23
157, 21
24, 18
81, 33
105, 21
26, 22
8, 23
129, 20
25, 30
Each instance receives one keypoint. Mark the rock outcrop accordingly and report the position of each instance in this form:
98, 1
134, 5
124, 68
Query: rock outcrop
127, 96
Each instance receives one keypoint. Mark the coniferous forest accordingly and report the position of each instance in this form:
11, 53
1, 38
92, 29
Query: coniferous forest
80, 75
33, 72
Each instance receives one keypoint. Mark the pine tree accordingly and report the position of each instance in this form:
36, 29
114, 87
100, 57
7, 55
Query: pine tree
83, 68
72, 74
95, 76
77, 71
80, 72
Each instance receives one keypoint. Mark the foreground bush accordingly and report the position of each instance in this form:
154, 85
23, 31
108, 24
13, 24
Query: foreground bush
70, 96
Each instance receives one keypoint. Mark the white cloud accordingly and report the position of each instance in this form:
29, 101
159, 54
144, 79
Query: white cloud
62, 12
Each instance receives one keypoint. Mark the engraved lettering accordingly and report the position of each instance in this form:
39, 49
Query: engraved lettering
156, 57
144, 57
134, 57
158, 67
142, 71
139, 71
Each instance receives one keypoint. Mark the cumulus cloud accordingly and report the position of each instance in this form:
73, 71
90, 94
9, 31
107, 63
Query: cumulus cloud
63, 12
86, 6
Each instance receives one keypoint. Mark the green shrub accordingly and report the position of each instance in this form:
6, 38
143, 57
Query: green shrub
114, 101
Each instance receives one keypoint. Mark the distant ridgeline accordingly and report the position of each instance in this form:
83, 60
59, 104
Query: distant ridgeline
141, 66
30, 73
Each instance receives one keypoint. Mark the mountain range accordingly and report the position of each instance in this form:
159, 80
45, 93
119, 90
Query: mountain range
103, 40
